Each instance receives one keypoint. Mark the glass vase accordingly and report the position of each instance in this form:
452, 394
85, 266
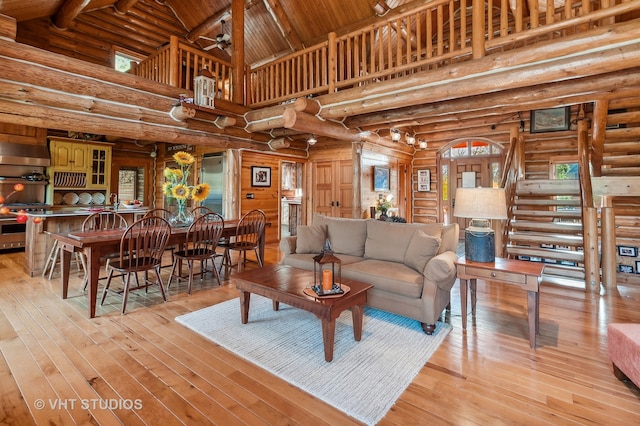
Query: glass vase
183, 216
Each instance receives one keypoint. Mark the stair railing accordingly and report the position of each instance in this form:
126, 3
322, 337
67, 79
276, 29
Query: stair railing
589, 212
508, 182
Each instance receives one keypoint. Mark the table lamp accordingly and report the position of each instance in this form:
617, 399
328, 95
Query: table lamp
481, 205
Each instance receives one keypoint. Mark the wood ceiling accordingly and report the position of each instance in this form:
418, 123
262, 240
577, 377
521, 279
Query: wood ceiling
476, 99
272, 28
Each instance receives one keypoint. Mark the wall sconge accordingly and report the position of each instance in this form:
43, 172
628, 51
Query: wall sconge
411, 140
312, 140
422, 144
395, 135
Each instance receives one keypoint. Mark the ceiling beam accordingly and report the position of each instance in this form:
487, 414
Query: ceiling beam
208, 24
284, 25
67, 12
123, 6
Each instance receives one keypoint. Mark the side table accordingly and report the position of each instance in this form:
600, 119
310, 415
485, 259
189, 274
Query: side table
525, 275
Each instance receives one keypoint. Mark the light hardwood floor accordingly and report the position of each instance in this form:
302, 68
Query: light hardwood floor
51, 352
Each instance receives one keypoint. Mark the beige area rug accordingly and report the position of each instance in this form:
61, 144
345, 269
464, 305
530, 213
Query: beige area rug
364, 379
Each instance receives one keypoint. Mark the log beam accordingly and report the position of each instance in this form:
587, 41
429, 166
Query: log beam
282, 21
272, 117
8, 27
208, 24
307, 123
123, 6
68, 12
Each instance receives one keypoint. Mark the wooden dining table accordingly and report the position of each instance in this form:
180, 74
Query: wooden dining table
97, 244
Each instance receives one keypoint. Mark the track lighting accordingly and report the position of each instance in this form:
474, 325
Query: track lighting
312, 140
422, 144
395, 135
411, 140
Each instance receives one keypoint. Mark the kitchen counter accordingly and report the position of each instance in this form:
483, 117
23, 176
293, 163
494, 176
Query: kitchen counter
82, 211
58, 220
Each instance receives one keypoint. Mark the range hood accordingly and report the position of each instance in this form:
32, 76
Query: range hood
24, 155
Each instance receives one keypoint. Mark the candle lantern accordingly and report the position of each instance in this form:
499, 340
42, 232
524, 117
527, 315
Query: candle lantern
327, 272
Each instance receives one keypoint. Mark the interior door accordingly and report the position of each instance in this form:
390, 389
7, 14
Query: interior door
333, 188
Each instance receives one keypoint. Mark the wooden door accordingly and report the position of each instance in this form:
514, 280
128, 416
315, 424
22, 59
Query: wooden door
333, 188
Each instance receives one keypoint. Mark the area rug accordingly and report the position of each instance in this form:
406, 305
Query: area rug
364, 379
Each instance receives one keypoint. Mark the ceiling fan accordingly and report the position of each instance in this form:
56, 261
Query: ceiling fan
222, 40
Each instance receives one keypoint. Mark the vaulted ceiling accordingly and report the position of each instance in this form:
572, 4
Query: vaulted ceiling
272, 28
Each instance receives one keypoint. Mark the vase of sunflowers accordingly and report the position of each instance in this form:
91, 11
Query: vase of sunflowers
176, 186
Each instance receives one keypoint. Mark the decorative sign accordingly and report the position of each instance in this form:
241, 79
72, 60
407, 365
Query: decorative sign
424, 180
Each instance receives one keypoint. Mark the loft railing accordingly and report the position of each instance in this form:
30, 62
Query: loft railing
429, 37
177, 64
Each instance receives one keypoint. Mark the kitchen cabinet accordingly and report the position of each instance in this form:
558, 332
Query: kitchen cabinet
99, 167
78, 166
68, 156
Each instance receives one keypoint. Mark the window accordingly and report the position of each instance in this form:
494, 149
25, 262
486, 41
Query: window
122, 59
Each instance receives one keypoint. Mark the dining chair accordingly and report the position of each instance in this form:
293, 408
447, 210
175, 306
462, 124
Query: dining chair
141, 248
166, 215
249, 230
200, 210
102, 221
201, 242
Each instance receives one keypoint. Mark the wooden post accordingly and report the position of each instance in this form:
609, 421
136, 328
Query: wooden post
237, 45
332, 62
590, 244
608, 232
600, 112
478, 31
357, 179
175, 63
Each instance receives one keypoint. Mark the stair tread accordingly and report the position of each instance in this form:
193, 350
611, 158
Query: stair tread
547, 226
568, 255
542, 237
548, 213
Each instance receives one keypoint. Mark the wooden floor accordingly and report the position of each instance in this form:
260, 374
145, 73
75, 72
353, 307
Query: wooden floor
58, 367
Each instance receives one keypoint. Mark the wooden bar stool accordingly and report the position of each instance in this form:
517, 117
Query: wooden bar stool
54, 259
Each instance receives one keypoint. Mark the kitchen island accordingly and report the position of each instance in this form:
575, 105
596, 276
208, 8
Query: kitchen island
58, 220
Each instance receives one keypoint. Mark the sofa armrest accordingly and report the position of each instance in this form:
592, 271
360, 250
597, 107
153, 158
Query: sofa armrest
441, 270
288, 244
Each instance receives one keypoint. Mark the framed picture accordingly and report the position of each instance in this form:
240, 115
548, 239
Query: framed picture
380, 178
626, 268
550, 119
260, 176
627, 251
424, 180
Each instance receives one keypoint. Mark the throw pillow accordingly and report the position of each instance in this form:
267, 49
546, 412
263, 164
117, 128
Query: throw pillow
422, 248
311, 238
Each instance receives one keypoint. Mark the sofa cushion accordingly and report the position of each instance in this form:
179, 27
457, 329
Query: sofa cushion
386, 276
311, 238
422, 248
346, 236
389, 241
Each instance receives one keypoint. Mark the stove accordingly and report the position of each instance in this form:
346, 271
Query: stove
13, 233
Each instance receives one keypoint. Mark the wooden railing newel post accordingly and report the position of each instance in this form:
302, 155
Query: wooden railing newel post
333, 55
478, 29
174, 54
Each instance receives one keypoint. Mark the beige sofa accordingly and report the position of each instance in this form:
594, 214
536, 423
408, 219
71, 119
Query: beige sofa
411, 266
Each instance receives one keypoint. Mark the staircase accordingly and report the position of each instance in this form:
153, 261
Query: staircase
546, 226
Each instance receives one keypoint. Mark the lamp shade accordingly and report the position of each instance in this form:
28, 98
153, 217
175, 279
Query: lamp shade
480, 203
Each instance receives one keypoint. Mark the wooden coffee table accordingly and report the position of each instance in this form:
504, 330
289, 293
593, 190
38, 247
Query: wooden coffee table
282, 283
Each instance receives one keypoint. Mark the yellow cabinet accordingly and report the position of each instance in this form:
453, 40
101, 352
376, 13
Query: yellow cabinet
68, 156
99, 167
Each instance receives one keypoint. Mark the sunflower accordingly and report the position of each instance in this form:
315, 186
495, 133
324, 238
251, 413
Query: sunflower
200, 192
180, 191
174, 175
183, 158
167, 188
